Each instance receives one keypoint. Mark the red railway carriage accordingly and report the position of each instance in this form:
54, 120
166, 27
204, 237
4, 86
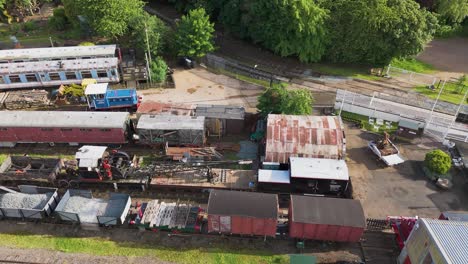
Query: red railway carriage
63, 127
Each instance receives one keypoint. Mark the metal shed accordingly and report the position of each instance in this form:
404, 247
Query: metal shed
436, 241
410, 128
171, 129
31, 202
63, 127
243, 213
79, 206
304, 136
329, 219
222, 119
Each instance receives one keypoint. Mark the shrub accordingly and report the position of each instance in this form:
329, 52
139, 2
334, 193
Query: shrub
438, 161
158, 70
86, 43
59, 20
29, 26
15, 28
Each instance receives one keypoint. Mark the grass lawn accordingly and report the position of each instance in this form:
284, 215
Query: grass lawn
364, 121
244, 78
413, 65
359, 72
3, 158
452, 93
102, 247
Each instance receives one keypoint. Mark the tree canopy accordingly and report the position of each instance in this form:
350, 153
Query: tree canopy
109, 18
194, 34
145, 24
278, 100
453, 11
375, 31
438, 161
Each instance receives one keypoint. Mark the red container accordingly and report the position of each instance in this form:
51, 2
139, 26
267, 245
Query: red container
242, 213
329, 219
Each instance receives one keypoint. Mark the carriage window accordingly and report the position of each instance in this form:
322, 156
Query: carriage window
54, 76
15, 79
31, 77
66, 129
47, 129
102, 74
86, 75
85, 130
105, 129
70, 75
3, 129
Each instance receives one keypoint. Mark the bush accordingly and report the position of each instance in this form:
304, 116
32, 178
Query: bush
158, 70
59, 20
15, 28
438, 161
29, 26
86, 43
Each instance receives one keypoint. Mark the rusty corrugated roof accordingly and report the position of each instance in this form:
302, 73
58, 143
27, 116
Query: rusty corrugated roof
304, 136
152, 107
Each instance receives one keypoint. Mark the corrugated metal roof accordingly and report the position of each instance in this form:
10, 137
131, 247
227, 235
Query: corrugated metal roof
57, 66
312, 168
410, 124
96, 88
456, 215
220, 111
327, 211
168, 122
58, 52
273, 176
304, 136
451, 238
248, 204
63, 119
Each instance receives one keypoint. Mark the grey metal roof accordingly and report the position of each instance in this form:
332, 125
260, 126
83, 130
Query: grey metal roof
413, 125
63, 119
58, 52
248, 204
220, 111
327, 211
451, 237
168, 122
56, 66
456, 215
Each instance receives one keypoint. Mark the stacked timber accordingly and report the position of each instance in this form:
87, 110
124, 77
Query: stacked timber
26, 99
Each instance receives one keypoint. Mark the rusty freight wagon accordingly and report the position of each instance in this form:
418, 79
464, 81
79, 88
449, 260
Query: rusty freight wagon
63, 127
17, 170
242, 213
328, 219
171, 130
304, 136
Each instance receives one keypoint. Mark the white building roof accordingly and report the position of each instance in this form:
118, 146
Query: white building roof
57, 65
89, 156
313, 168
96, 88
63, 119
451, 237
273, 176
171, 122
58, 52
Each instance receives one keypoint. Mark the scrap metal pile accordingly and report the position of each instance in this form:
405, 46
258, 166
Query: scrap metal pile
24, 99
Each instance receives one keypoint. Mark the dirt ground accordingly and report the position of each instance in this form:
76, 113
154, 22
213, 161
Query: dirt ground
449, 55
39, 256
200, 86
401, 190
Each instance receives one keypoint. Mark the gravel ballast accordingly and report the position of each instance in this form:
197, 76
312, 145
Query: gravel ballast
86, 208
23, 200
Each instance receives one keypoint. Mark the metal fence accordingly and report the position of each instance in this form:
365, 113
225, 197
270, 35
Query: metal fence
410, 76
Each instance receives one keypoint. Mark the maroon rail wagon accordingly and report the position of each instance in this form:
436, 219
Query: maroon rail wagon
63, 127
242, 213
329, 219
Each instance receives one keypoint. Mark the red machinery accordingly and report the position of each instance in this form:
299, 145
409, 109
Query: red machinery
402, 227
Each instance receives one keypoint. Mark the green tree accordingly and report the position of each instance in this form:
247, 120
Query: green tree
278, 100
144, 25
453, 11
375, 31
59, 20
438, 161
194, 34
158, 70
288, 27
108, 18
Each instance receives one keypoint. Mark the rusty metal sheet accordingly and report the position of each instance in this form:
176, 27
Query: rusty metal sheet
304, 136
153, 107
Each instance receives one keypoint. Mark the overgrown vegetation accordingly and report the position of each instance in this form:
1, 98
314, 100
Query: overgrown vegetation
279, 100
453, 92
103, 247
158, 70
412, 64
363, 122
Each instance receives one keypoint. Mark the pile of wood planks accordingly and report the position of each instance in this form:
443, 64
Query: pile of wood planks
24, 99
